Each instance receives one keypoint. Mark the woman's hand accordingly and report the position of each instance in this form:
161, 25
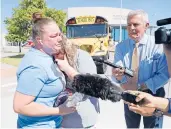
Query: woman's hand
145, 111
65, 67
148, 100
63, 109
62, 62
147, 107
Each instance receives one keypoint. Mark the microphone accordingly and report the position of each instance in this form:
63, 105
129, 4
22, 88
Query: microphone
96, 86
164, 22
127, 71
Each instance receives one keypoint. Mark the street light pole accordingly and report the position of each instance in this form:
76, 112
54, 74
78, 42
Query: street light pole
151, 24
120, 37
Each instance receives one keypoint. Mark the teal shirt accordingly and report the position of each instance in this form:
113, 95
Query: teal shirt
38, 76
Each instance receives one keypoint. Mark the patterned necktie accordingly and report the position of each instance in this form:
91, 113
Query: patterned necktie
135, 58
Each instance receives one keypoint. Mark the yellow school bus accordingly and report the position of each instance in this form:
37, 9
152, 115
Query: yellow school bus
92, 34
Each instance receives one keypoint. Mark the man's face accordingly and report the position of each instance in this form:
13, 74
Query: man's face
51, 39
136, 27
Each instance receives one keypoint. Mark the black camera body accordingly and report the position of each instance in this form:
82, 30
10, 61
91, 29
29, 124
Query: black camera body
163, 35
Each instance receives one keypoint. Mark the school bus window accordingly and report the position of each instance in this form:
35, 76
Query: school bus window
75, 31
91, 33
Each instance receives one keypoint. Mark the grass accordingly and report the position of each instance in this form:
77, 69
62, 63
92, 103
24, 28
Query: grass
12, 60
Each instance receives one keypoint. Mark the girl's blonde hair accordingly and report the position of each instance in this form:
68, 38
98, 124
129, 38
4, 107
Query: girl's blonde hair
70, 50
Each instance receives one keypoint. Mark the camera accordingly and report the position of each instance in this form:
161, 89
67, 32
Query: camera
163, 35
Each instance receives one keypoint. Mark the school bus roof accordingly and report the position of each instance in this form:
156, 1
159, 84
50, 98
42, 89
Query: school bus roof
86, 20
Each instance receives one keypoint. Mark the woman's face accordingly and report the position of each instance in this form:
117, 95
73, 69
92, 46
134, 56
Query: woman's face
51, 39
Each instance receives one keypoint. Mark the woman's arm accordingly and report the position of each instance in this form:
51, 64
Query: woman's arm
24, 104
161, 104
152, 101
65, 67
71, 72
149, 103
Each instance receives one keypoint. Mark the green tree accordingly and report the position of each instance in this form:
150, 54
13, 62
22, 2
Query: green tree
19, 25
58, 15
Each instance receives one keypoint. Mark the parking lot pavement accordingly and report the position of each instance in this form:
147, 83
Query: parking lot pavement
8, 75
8, 116
12, 51
111, 115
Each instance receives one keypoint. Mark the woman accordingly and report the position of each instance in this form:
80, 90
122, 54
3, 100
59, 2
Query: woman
82, 62
40, 80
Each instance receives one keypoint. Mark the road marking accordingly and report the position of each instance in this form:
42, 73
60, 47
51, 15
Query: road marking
9, 84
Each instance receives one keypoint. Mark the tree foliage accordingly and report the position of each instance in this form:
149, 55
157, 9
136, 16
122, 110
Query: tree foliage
19, 25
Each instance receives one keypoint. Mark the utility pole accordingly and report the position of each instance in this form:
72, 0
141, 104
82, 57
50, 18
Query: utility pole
120, 37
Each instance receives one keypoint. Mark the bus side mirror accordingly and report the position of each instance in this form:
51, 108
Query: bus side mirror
60, 28
110, 29
110, 36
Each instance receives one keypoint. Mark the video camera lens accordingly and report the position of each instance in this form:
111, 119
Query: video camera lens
163, 35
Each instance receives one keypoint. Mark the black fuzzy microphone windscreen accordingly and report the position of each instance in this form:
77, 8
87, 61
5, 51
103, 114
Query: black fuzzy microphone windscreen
97, 86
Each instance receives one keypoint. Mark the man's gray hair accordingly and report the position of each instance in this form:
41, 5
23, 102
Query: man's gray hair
138, 12
37, 27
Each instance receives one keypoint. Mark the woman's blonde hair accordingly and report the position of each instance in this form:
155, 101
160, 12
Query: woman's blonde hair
70, 50
37, 26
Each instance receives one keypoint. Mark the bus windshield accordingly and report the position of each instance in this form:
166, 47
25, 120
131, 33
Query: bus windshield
87, 31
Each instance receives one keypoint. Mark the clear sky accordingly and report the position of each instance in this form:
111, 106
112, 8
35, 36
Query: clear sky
157, 9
